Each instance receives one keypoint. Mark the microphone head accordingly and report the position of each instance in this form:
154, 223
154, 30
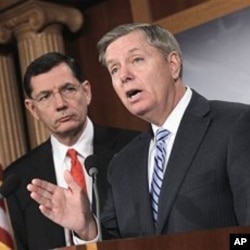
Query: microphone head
91, 164
10, 185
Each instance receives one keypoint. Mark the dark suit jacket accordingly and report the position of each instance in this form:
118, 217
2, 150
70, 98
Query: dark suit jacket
207, 180
33, 230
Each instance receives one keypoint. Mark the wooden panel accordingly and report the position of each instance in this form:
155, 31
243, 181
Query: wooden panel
161, 9
217, 239
201, 13
151, 10
106, 108
4, 4
141, 11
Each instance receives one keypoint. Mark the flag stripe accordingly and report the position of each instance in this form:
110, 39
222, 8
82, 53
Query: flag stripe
4, 247
6, 237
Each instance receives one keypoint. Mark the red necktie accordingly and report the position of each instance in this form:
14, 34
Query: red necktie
76, 169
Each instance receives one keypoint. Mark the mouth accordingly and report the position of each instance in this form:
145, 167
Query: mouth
132, 93
64, 118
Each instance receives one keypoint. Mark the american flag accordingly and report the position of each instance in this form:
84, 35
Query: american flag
6, 234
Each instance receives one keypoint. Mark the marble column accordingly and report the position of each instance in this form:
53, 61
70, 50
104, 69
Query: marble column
37, 27
12, 136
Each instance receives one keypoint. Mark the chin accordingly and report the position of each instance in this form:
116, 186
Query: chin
140, 114
67, 128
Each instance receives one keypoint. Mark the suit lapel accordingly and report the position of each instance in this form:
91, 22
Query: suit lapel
104, 147
44, 169
104, 156
192, 129
138, 173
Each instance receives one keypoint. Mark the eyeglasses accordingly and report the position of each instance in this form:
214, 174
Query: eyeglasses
68, 91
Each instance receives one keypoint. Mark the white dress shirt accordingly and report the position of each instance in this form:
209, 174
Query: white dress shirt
171, 124
84, 147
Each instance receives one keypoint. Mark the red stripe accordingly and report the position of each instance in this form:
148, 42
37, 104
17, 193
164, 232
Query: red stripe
2, 205
6, 238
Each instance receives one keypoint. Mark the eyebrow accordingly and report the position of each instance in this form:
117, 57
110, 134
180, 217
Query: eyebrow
50, 91
108, 62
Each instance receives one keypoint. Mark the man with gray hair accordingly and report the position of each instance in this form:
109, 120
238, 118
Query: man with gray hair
189, 171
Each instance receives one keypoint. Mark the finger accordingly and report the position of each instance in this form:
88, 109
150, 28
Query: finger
46, 212
40, 191
49, 187
41, 200
71, 181
32, 188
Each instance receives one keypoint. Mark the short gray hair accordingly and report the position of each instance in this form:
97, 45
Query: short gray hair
156, 36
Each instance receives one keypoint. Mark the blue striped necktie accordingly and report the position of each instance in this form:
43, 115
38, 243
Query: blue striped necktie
159, 161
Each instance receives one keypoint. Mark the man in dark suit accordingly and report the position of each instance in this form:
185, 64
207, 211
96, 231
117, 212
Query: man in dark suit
58, 95
192, 175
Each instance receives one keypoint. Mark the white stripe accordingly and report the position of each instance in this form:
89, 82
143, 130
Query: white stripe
4, 222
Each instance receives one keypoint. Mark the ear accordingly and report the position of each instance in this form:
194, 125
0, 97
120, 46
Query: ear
29, 104
175, 64
87, 90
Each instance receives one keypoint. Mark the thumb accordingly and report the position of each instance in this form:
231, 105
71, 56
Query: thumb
70, 181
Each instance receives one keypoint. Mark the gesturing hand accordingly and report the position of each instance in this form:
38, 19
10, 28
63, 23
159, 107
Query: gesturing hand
68, 207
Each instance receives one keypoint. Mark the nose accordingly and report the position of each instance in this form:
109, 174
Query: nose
59, 101
125, 74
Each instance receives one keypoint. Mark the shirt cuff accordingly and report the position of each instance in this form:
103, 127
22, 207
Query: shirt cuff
79, 241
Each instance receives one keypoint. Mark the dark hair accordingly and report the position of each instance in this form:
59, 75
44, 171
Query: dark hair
45, 63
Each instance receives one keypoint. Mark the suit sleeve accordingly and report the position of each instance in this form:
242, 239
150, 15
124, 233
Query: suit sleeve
239, 168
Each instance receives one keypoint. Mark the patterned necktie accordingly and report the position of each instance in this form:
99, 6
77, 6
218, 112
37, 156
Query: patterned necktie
159, 161
76, 169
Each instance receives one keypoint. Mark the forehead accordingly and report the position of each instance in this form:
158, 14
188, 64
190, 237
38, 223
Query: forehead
55, 77
130, 42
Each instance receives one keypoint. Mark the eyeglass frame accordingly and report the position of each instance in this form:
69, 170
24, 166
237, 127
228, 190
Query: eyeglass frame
65, 87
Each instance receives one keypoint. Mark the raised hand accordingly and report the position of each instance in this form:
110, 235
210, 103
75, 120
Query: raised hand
68, 207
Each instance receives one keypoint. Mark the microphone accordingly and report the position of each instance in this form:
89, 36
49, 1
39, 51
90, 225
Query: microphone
9, 186
91, 164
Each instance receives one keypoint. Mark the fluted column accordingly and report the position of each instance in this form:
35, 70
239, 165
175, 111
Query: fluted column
12, 136
37, 27
30, 46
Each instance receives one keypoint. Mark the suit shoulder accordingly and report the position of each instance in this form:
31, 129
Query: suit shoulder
232, 109
23, 162
103, 132
114, 136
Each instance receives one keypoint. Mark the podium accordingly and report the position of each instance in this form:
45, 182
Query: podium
217, 239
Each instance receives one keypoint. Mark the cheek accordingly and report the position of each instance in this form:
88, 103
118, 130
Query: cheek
81, 106
47, 119
117, 88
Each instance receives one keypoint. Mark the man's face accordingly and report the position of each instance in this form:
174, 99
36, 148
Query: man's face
60, 101
145, 80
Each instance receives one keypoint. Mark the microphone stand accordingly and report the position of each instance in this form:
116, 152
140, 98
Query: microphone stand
96, 194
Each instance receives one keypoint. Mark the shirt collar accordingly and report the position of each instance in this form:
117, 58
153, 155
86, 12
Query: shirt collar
173, 121
84, 145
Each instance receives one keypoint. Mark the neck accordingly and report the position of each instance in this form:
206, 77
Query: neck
69, 138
